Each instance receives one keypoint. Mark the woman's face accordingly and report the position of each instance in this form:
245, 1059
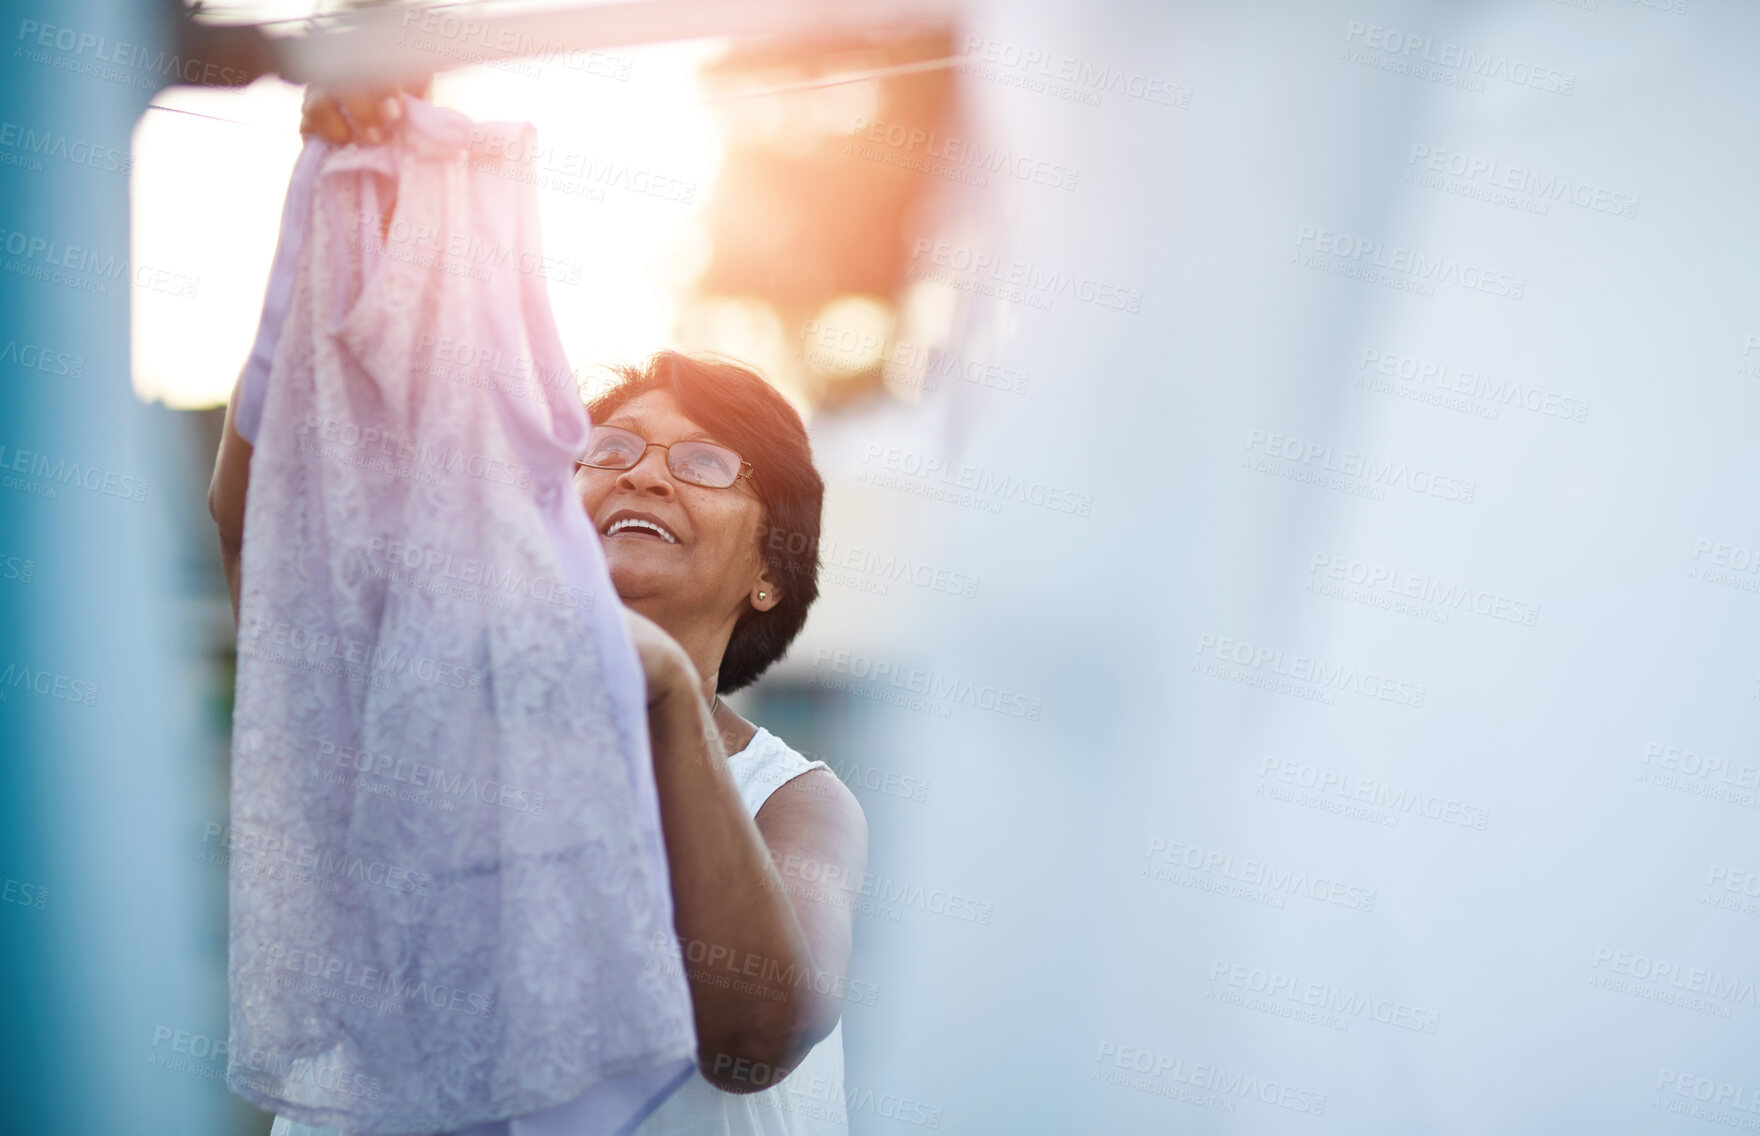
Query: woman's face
708, 571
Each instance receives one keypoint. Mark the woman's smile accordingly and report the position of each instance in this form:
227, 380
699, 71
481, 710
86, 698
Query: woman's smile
633, 524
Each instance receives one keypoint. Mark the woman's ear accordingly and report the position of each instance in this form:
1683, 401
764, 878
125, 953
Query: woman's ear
765, 594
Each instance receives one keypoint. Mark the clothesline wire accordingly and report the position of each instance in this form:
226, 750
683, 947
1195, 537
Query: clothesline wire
847, 77
731, 96
340, 13
196, 114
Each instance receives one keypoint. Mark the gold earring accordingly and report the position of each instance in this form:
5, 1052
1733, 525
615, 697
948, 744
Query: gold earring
761, 595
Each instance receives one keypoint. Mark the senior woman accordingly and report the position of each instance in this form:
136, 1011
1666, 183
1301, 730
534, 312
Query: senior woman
692, 469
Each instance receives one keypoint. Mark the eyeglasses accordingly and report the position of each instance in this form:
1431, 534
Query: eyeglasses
700, 463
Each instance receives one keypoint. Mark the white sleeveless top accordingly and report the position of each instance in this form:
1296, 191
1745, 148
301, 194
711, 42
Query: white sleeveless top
808, 1102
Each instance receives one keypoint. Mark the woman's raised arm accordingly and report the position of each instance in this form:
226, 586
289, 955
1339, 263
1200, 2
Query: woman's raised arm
232, 476
764, 909
341, 117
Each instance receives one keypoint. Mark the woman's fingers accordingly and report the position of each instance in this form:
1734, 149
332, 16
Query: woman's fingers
367, 110
366, 115
323, 116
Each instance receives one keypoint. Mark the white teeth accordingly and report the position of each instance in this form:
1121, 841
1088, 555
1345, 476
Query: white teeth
647, 526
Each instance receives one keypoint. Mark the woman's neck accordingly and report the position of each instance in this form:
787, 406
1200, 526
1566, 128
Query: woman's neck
706, 647
736, 732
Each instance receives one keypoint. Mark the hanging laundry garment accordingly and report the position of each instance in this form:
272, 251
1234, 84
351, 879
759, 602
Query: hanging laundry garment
449, 893
811, 1101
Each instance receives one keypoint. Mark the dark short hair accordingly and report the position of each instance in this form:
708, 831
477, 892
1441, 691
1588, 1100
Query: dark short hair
747, 413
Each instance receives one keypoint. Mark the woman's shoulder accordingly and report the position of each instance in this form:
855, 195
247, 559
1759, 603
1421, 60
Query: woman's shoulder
765, 765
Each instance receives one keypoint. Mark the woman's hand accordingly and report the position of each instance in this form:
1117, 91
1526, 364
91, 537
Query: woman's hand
665, 665
361, 115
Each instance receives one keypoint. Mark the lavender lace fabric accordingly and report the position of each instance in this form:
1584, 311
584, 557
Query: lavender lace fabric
448, 888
